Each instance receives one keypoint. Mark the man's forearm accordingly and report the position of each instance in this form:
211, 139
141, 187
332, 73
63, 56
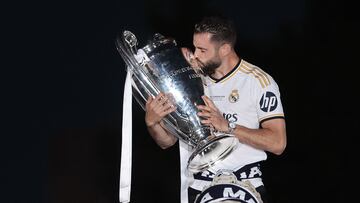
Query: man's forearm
270, 138
161, 136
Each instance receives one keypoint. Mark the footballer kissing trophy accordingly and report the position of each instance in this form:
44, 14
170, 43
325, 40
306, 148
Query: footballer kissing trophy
161, 67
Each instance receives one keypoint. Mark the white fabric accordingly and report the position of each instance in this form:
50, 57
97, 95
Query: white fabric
185, 177
126, 148
246, 96
201, 184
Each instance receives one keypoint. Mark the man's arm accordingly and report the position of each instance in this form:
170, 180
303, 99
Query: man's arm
156, 109
271, 137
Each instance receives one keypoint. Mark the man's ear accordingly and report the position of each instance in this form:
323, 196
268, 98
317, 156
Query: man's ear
225, 49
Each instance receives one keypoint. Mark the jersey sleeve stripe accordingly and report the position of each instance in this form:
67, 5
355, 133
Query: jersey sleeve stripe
256, 71
263, 75
257, 77
263, 72
280, 115
257, 74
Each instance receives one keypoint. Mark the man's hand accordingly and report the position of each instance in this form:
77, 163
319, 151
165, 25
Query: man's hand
191, 59
212, 116
157, 108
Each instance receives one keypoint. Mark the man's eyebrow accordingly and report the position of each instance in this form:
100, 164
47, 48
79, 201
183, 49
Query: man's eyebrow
202, 48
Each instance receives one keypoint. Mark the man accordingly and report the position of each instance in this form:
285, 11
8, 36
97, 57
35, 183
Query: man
241, 99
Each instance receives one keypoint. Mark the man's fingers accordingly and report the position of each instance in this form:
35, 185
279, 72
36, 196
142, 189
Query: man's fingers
149, 99
158, 100
159, 96
206, 100
209, 103
160, 105
187, 53
204, 108
206, 122
204, 114
168, 110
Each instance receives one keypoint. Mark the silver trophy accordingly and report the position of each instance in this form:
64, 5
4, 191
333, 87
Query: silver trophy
161, 67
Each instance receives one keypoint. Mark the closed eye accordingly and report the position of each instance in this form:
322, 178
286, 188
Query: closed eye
202, 50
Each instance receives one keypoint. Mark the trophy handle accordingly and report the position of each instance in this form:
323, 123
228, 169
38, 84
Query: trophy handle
142, 83
126, 46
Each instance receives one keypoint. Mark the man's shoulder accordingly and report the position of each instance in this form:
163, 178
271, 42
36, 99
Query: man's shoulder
255, 74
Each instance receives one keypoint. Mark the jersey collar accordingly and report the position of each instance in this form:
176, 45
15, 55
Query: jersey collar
227, 76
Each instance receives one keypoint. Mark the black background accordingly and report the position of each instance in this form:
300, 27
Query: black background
62, 87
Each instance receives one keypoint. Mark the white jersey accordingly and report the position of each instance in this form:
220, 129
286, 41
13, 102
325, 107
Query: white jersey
247, 96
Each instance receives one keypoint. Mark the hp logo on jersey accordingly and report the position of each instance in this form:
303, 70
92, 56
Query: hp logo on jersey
268, 102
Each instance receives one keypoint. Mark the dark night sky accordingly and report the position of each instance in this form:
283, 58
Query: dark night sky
63, 85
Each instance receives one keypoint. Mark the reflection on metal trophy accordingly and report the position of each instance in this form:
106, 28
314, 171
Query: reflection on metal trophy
161, 67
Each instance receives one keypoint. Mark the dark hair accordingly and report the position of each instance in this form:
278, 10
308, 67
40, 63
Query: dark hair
222, 29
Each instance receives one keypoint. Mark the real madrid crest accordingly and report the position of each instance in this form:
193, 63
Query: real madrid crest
234, 96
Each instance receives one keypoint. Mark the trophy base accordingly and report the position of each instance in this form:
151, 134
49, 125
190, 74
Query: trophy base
214, 150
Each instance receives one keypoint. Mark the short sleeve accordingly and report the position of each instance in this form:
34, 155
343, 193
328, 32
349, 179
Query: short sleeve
268, 101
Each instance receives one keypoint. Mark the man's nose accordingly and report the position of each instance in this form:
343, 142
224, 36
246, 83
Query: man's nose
196, 53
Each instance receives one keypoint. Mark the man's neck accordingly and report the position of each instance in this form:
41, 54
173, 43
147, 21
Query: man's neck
226, 66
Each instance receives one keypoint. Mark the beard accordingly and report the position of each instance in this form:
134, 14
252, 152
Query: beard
209, 68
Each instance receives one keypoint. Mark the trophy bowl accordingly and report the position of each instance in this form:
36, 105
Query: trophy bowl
160, 66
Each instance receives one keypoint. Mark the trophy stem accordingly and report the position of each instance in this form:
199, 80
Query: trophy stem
210, 151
